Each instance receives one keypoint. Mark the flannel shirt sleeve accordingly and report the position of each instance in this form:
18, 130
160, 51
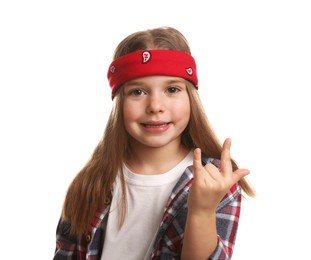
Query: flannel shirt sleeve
227, 220
68, 247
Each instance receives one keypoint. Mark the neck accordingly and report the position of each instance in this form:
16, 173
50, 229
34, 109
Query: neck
150, 160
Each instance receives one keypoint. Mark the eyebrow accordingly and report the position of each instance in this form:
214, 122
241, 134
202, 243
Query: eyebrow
141, 82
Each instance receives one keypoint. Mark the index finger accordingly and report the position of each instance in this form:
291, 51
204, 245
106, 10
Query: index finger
225, 159
197, 163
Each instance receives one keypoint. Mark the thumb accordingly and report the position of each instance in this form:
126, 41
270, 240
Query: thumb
239, 174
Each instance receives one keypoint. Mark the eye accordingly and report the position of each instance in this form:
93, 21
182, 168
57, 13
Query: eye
136, 92
173, 89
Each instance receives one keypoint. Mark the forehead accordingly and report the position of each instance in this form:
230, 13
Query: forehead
155, 79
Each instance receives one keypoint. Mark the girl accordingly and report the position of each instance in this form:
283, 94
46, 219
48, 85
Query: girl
159, 185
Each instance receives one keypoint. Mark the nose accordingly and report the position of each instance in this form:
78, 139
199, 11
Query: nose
155, 104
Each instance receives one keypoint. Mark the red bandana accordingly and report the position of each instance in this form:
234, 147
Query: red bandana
152, 62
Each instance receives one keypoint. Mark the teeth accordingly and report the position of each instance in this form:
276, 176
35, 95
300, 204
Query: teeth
149, 126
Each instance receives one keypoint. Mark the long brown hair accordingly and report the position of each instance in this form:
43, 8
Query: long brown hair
91, 188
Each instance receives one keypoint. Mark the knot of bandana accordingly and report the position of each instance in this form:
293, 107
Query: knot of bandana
144, 63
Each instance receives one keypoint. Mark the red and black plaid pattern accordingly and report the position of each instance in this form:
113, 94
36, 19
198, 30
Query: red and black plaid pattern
169, 239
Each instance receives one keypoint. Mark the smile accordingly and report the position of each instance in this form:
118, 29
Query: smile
156, 127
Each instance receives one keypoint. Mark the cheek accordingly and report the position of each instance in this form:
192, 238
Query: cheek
126, 112
182, 110
185, 115
130, 114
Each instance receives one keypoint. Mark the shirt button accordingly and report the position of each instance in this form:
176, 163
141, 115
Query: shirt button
88, 238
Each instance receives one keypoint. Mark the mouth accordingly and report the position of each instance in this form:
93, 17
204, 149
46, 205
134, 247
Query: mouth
155, 125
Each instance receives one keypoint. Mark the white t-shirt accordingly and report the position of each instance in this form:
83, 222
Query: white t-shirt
146, 199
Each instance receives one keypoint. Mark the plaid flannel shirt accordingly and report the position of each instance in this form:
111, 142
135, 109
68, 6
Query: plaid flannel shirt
169, 239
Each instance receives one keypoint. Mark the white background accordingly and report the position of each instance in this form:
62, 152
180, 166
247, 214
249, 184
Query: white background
254, 65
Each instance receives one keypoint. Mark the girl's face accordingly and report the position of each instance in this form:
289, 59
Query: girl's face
156, 110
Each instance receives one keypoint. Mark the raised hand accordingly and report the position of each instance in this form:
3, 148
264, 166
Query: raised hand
210, 184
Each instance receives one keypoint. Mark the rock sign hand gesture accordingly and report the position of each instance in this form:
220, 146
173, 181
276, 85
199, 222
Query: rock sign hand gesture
210, 184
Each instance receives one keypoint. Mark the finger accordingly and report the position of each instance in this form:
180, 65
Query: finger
200, 172
239, 174
213, 171
197, 160
225, 159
